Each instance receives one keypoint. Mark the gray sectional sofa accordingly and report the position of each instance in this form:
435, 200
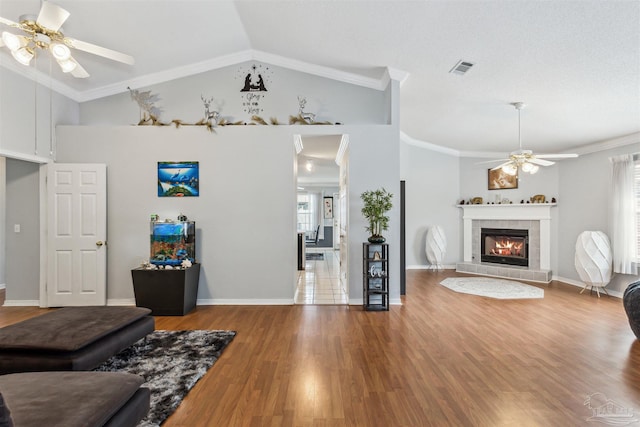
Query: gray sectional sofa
41, 359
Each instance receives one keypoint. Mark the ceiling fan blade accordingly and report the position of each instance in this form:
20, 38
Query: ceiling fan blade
8, 22
540, 162
100, 51
500, 165
491, 161
79, 72
556, 156
51, 16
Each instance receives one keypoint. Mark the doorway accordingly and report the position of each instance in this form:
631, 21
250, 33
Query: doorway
322, 279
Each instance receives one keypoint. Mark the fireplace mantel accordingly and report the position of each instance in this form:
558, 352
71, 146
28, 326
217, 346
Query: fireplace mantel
530, 211
511, 211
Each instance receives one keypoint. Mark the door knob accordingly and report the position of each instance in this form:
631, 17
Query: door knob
99, 243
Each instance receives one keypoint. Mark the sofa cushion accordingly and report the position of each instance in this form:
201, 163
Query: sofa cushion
5, 414
51, 331
67, 398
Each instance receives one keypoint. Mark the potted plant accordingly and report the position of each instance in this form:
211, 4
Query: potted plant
376, 204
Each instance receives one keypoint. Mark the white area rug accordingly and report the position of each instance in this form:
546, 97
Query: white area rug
492, 288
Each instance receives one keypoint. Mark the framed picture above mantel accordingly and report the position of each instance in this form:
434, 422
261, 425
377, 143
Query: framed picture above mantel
500, 180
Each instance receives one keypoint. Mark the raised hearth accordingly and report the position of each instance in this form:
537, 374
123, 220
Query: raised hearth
534, 219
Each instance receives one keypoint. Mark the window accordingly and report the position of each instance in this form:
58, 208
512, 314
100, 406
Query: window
305, 213
636, 181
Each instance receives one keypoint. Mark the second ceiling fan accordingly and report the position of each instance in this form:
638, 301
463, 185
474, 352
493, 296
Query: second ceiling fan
523, 159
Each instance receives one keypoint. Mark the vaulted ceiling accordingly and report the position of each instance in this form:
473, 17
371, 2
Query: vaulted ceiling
576, 64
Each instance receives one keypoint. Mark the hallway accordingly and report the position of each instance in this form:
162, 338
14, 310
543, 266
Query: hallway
319, 283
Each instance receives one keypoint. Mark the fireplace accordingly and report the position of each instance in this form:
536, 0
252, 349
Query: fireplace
505, 246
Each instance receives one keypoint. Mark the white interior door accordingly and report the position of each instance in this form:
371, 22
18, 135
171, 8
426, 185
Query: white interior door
76, 234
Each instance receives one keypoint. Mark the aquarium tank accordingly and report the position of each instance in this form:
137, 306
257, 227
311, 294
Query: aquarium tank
172, 242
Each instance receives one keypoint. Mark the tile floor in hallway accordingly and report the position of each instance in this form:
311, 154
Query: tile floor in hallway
319, 282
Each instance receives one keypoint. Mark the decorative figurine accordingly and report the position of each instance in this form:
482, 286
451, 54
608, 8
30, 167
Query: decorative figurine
146, 103
308, 117
210, 117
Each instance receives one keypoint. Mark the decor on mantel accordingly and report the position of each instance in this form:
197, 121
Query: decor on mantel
525, 160
593, 260
536, 199
436, 246
376, 204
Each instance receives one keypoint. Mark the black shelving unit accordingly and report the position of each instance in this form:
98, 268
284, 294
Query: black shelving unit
375, 276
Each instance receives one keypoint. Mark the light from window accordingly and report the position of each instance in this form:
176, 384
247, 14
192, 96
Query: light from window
305, 212
636, 181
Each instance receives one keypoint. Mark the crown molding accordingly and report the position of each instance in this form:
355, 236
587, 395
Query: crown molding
204, 66
608, 144
167, 75
595, 147
41, 78
318, 70
394, 74
228, 60
429, 146
33, 158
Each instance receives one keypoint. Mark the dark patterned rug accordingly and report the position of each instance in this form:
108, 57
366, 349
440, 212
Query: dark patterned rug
314, 256
171, 362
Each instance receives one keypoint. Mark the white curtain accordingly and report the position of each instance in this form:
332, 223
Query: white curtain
623, 215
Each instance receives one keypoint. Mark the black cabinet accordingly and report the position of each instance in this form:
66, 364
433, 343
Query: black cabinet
166, 292
375, 276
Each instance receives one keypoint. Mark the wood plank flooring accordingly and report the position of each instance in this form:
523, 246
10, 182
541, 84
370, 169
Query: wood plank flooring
440, 359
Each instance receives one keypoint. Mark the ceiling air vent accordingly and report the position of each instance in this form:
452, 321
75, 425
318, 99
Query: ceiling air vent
461, 67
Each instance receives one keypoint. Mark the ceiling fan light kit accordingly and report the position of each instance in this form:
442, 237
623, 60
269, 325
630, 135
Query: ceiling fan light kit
525, 160
44, 32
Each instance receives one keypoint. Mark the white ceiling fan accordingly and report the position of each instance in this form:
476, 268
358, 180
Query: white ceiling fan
44, 32
525, 160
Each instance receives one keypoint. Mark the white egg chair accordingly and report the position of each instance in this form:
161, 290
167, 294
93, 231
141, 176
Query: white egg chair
593, 260
436, 247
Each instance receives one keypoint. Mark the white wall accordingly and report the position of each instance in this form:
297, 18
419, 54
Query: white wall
431, 190
23, 254
586, 186
245, 215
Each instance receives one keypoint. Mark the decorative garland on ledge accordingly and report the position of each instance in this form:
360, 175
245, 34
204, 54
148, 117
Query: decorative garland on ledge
151, 120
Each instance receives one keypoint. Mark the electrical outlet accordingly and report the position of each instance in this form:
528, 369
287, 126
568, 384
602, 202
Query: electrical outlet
16, 228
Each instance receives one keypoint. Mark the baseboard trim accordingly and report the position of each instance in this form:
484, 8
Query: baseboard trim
22, 303
578, 284
248, 301
429, 267
121, 302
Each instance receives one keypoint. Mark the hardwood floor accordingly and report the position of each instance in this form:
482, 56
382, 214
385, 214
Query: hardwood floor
441, 359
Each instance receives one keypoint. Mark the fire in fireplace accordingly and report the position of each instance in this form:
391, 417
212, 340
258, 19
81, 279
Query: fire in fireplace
505, 246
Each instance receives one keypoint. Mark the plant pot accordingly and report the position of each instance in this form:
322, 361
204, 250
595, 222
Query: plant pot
376, 239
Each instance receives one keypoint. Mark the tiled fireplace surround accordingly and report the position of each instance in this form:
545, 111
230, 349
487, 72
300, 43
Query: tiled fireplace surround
533, 217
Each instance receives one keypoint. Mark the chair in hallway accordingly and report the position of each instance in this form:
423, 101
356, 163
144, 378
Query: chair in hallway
313, 241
